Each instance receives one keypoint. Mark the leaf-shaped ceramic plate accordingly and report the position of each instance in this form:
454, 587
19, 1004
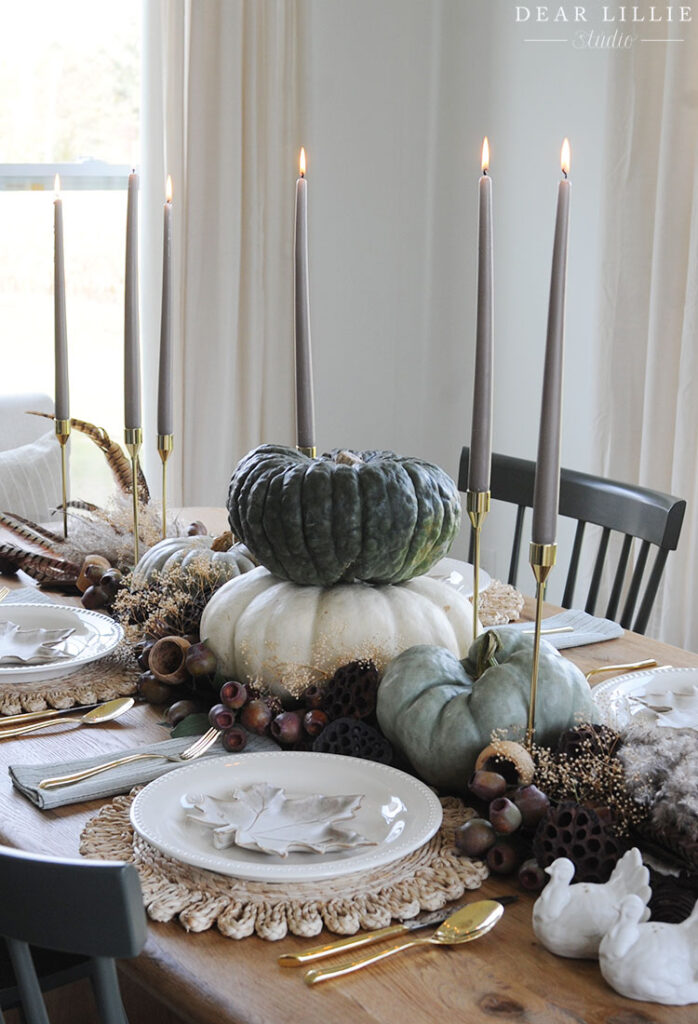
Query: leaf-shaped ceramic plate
270, 820
34, 646
397, 813
93, 636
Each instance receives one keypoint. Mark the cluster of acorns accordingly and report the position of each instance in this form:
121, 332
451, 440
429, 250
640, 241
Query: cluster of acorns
503, 834
98, 582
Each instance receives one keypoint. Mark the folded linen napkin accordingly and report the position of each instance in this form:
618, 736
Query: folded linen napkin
26, 777
28, 595
586, 628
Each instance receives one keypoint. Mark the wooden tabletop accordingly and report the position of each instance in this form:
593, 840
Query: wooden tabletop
208, 979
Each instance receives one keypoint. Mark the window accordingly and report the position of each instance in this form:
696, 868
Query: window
69, 103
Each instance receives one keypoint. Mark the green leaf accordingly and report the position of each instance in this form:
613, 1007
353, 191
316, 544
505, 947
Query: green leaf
192, 725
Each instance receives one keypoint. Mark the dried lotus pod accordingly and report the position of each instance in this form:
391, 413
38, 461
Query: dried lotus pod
509, 759
576, 832
354, 739
588, 738
351, 693
673, 898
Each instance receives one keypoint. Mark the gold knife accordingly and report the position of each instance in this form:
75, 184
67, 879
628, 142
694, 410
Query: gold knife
368, 938
31, 716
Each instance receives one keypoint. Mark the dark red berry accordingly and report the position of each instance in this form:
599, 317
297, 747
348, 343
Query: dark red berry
234, 739
503, 857
314, 721
200, 660
475, 837
487, 785
505, 815
532, 803
286, 727
256, 717
233, 694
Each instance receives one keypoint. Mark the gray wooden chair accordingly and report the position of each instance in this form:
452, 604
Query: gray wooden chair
653, 518
82, 914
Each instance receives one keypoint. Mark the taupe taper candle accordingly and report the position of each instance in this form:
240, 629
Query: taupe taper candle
305, 405
165, 418
62, 395
481, 433
132, 347
546, 492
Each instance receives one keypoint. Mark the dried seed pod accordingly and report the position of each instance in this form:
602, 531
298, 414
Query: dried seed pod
509, 759
576, 832
355, 739
351, 693
588, 738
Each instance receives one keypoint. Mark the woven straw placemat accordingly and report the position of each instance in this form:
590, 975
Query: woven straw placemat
112, 676
424, 880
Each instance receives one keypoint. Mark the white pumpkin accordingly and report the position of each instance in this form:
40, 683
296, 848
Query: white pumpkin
285, 636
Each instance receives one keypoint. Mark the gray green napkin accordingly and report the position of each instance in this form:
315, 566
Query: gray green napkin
26, 777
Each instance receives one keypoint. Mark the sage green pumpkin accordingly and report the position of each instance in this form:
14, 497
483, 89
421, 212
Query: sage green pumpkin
371, 516
441, 712
183, 551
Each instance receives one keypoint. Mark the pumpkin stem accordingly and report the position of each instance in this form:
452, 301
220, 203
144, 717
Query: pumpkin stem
347, 458
488, 645
223, 543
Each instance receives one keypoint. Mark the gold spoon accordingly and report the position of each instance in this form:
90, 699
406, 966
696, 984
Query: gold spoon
470, 922
104, 713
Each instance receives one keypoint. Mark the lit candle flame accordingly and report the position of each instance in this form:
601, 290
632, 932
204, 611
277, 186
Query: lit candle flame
302, 162
57, 186
485, 155
168, 189
565, 157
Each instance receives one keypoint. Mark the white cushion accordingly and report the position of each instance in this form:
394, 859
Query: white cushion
16, 428
30, 478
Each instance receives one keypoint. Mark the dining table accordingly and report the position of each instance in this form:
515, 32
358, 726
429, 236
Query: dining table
207, 978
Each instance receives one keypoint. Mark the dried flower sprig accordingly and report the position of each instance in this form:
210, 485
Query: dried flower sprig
593, 775
168, 603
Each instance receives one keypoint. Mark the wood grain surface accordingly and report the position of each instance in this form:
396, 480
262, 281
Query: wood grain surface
208, 979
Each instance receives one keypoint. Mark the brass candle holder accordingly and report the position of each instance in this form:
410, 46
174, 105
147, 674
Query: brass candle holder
165, 446
63, 433
477, 505
309, 450
133, 437
542, 558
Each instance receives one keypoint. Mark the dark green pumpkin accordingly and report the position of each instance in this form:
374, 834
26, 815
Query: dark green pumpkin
371, 516
441, 712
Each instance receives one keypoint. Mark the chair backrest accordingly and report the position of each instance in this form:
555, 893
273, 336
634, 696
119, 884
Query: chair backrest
653, 518
93, 908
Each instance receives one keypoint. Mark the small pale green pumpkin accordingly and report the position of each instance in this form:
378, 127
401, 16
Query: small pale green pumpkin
440, 712
183, 551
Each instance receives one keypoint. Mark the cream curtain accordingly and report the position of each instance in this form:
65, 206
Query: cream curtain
220, 104
647, 420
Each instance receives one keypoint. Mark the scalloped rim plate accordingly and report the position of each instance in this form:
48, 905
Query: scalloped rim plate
660, 686
95, 636
459, 575
398, 812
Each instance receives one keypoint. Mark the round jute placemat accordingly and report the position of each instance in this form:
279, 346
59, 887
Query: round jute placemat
112, 676
424, 880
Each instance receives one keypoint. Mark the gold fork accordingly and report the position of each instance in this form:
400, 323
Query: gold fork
4, 591
196, 749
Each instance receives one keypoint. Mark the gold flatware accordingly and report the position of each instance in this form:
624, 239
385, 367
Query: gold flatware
650, 663
104, 713
468, 923
57, 713
553, 629
658, 708
199, 747
4, 591
308, 956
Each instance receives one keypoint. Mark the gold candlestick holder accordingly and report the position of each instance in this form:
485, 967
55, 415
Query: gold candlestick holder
309, 450
133, 437
477, 505
542, 558
165, 446
63, 433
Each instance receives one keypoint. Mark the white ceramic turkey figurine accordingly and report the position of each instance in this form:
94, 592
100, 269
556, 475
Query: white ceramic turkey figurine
571, 920
652, 961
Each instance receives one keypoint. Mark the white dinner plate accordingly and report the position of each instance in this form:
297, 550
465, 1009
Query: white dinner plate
459, 575
398, 813
675, 688
94, 635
